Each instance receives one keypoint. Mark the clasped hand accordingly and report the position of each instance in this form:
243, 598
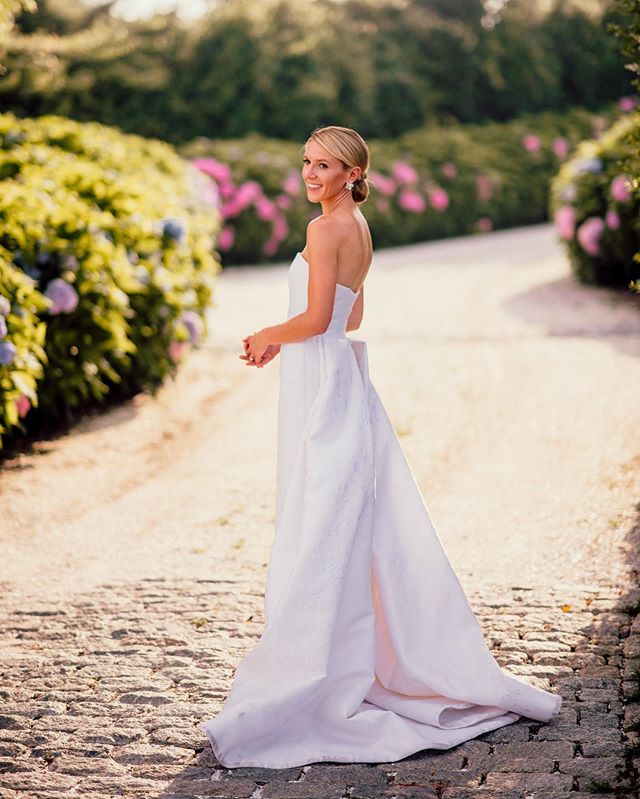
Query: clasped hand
257, 351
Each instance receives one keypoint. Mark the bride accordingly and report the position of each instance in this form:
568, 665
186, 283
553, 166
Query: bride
370, 650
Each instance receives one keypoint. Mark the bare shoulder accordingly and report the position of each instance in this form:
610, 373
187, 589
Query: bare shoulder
324, 236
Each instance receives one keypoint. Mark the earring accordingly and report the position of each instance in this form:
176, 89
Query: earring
349, 185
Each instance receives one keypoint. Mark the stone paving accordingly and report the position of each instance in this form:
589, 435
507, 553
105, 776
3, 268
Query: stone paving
101, 696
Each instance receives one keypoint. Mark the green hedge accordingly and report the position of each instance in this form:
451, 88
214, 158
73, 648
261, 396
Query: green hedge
107, 243
596, 206
440, 181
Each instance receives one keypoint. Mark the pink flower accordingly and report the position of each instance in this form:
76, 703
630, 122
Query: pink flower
226, 238
589, 234
449, 169
227, 190
626, 104
23, 405
484, 224
531, 143
612, 219
280, 228
283, 201
229, 210
565, 221
248, 192
404, 173
561, 147
382, 205
266, 209
292, 183
63, 296
270, 246
218, 171
619, 189
412, 201
439, 199
484, 187
177, 350
383, 184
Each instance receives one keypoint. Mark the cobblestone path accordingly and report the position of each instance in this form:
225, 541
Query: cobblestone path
133, 553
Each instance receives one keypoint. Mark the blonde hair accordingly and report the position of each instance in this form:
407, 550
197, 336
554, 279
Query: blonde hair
351, 149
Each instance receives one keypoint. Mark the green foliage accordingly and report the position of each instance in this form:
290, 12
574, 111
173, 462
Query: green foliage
435, 182
628, 33
114, 231
8, 11
282, 67
596, 205
22, 339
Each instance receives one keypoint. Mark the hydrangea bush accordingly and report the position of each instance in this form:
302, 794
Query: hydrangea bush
22, 336
431, 183
595, 204
114, 236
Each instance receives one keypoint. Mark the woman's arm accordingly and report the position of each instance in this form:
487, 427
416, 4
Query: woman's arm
322, 245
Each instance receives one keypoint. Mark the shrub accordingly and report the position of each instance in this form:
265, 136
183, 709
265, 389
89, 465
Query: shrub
597, 210
22, 334
116, 237
437, 182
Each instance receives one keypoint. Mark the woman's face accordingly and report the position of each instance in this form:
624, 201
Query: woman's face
323, 174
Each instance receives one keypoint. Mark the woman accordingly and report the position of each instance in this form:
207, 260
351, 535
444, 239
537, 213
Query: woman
370, 650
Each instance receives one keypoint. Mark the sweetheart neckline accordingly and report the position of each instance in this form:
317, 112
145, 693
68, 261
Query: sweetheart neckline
348, 288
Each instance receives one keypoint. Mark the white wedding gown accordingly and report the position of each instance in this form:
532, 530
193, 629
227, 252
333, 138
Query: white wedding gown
370, 650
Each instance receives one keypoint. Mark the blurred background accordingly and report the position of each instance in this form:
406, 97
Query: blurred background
146, 144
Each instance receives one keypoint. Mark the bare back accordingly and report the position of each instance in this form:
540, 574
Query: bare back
355, 251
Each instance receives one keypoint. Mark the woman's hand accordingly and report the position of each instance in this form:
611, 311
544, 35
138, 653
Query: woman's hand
257, 350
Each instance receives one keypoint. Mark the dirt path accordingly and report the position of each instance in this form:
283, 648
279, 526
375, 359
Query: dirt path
515, 394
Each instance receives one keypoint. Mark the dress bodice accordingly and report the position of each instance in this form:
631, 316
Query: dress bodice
298, 283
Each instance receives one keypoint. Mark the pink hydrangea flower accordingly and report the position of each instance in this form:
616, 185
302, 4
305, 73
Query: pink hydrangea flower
531, 143
226, 238
561, 146
382, 183
266, 209
227, 190
404, 173
280, 228
565, 221
439, 199
626, 104
218, 171
270, 246
177, 350
589, 234
619, 190
484, 187
612, 219
249, 192
484, 224
283, 201
23, 405
63, 296
230, 210
410, 200
291, 183
449, 169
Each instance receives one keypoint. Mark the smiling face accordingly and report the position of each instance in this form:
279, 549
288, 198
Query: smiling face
324, 175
